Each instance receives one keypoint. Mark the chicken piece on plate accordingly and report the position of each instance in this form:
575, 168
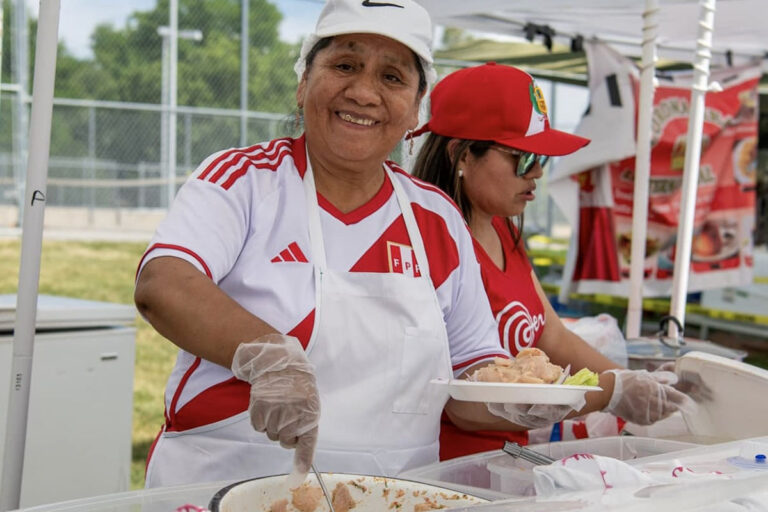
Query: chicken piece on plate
306, 497
531, 366
279, 506
341, 498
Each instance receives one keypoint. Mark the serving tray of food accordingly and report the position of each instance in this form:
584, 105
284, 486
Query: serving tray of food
360, 493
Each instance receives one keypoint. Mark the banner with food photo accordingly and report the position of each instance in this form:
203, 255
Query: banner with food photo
600, 197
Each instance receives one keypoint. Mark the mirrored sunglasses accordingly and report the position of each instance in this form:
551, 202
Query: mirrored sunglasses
525, 160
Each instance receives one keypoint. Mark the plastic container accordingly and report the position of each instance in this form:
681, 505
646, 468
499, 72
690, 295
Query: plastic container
496, 475
731, 458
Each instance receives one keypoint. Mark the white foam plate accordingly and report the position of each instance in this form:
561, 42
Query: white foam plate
504, 392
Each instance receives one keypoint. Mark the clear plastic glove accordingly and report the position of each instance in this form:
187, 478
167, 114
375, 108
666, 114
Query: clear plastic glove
533, 415
284, 400
644, 397
689, 383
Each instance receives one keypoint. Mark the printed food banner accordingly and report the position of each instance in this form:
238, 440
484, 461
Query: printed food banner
595, 186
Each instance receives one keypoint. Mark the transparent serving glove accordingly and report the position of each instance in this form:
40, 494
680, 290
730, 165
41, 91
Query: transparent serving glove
284, 400
644, 397
533, 415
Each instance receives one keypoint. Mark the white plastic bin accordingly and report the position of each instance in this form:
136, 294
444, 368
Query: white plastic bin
514, 477
496, 475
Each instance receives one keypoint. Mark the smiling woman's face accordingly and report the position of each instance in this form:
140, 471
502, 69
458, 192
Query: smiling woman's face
359, 97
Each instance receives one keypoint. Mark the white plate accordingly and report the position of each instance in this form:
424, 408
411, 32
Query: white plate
371, 494
504, 392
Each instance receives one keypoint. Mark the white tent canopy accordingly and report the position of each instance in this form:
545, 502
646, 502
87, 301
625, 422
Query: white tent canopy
682, 30
739, 28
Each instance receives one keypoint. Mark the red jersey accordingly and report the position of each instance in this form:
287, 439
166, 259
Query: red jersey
520, 317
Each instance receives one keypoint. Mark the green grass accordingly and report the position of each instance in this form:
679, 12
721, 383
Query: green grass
105, 272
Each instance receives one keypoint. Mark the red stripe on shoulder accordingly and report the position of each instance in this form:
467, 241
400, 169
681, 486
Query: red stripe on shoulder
227, 154
272, 166
260, 155
176, 248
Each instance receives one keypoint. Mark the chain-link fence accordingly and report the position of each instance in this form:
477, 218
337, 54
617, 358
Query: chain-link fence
140, 110
130, 121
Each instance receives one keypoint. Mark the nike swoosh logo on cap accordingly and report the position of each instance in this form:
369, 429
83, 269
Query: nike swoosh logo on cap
368, 3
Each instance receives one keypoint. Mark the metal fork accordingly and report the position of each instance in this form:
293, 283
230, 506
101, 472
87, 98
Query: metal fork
322, 486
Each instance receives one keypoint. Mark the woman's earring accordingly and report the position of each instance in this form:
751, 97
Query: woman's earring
461, 173
297, 120
410, 142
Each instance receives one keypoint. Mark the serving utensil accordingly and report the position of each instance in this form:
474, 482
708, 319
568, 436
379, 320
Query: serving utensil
322, 486
521, 452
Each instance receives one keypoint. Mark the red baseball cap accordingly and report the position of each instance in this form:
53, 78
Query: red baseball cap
498, 103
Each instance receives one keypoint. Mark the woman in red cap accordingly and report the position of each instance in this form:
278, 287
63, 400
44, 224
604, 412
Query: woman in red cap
490, 137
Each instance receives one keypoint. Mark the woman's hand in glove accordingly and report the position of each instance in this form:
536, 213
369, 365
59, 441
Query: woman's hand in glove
644, 397
284, 400
533, 415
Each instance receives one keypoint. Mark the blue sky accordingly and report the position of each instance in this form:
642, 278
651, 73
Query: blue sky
79, 17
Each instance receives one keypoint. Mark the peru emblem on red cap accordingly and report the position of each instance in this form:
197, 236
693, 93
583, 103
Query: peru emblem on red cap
537, 99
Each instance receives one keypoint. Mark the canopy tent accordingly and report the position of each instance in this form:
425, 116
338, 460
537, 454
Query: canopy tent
683, 30
560, 64
738, 26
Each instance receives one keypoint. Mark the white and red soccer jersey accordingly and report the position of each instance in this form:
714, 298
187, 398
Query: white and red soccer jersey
241, 219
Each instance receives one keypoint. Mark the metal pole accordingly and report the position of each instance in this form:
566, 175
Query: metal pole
165, 97
244, 43
31, 246
642, 170
692, 159
20, 65
552, 122
91, 162
172, 85
187, 141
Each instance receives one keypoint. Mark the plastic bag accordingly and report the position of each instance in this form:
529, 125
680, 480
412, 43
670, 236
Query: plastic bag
602, 332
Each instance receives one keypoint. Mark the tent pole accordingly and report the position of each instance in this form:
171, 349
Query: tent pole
691, 166
642, 170
31, 245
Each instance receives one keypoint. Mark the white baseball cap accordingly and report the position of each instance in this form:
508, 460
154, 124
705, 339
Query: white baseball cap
404, 21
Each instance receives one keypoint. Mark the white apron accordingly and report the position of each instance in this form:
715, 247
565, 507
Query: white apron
378, 339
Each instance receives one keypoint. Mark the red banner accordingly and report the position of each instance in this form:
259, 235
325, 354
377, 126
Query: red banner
725, 203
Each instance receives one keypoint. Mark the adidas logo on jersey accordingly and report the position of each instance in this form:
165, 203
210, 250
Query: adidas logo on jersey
402, 259
290, 253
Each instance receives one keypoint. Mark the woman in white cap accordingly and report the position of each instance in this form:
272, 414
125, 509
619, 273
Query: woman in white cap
490, 137
314, 288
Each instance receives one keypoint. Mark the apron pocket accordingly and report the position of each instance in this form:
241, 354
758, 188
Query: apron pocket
422, 355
